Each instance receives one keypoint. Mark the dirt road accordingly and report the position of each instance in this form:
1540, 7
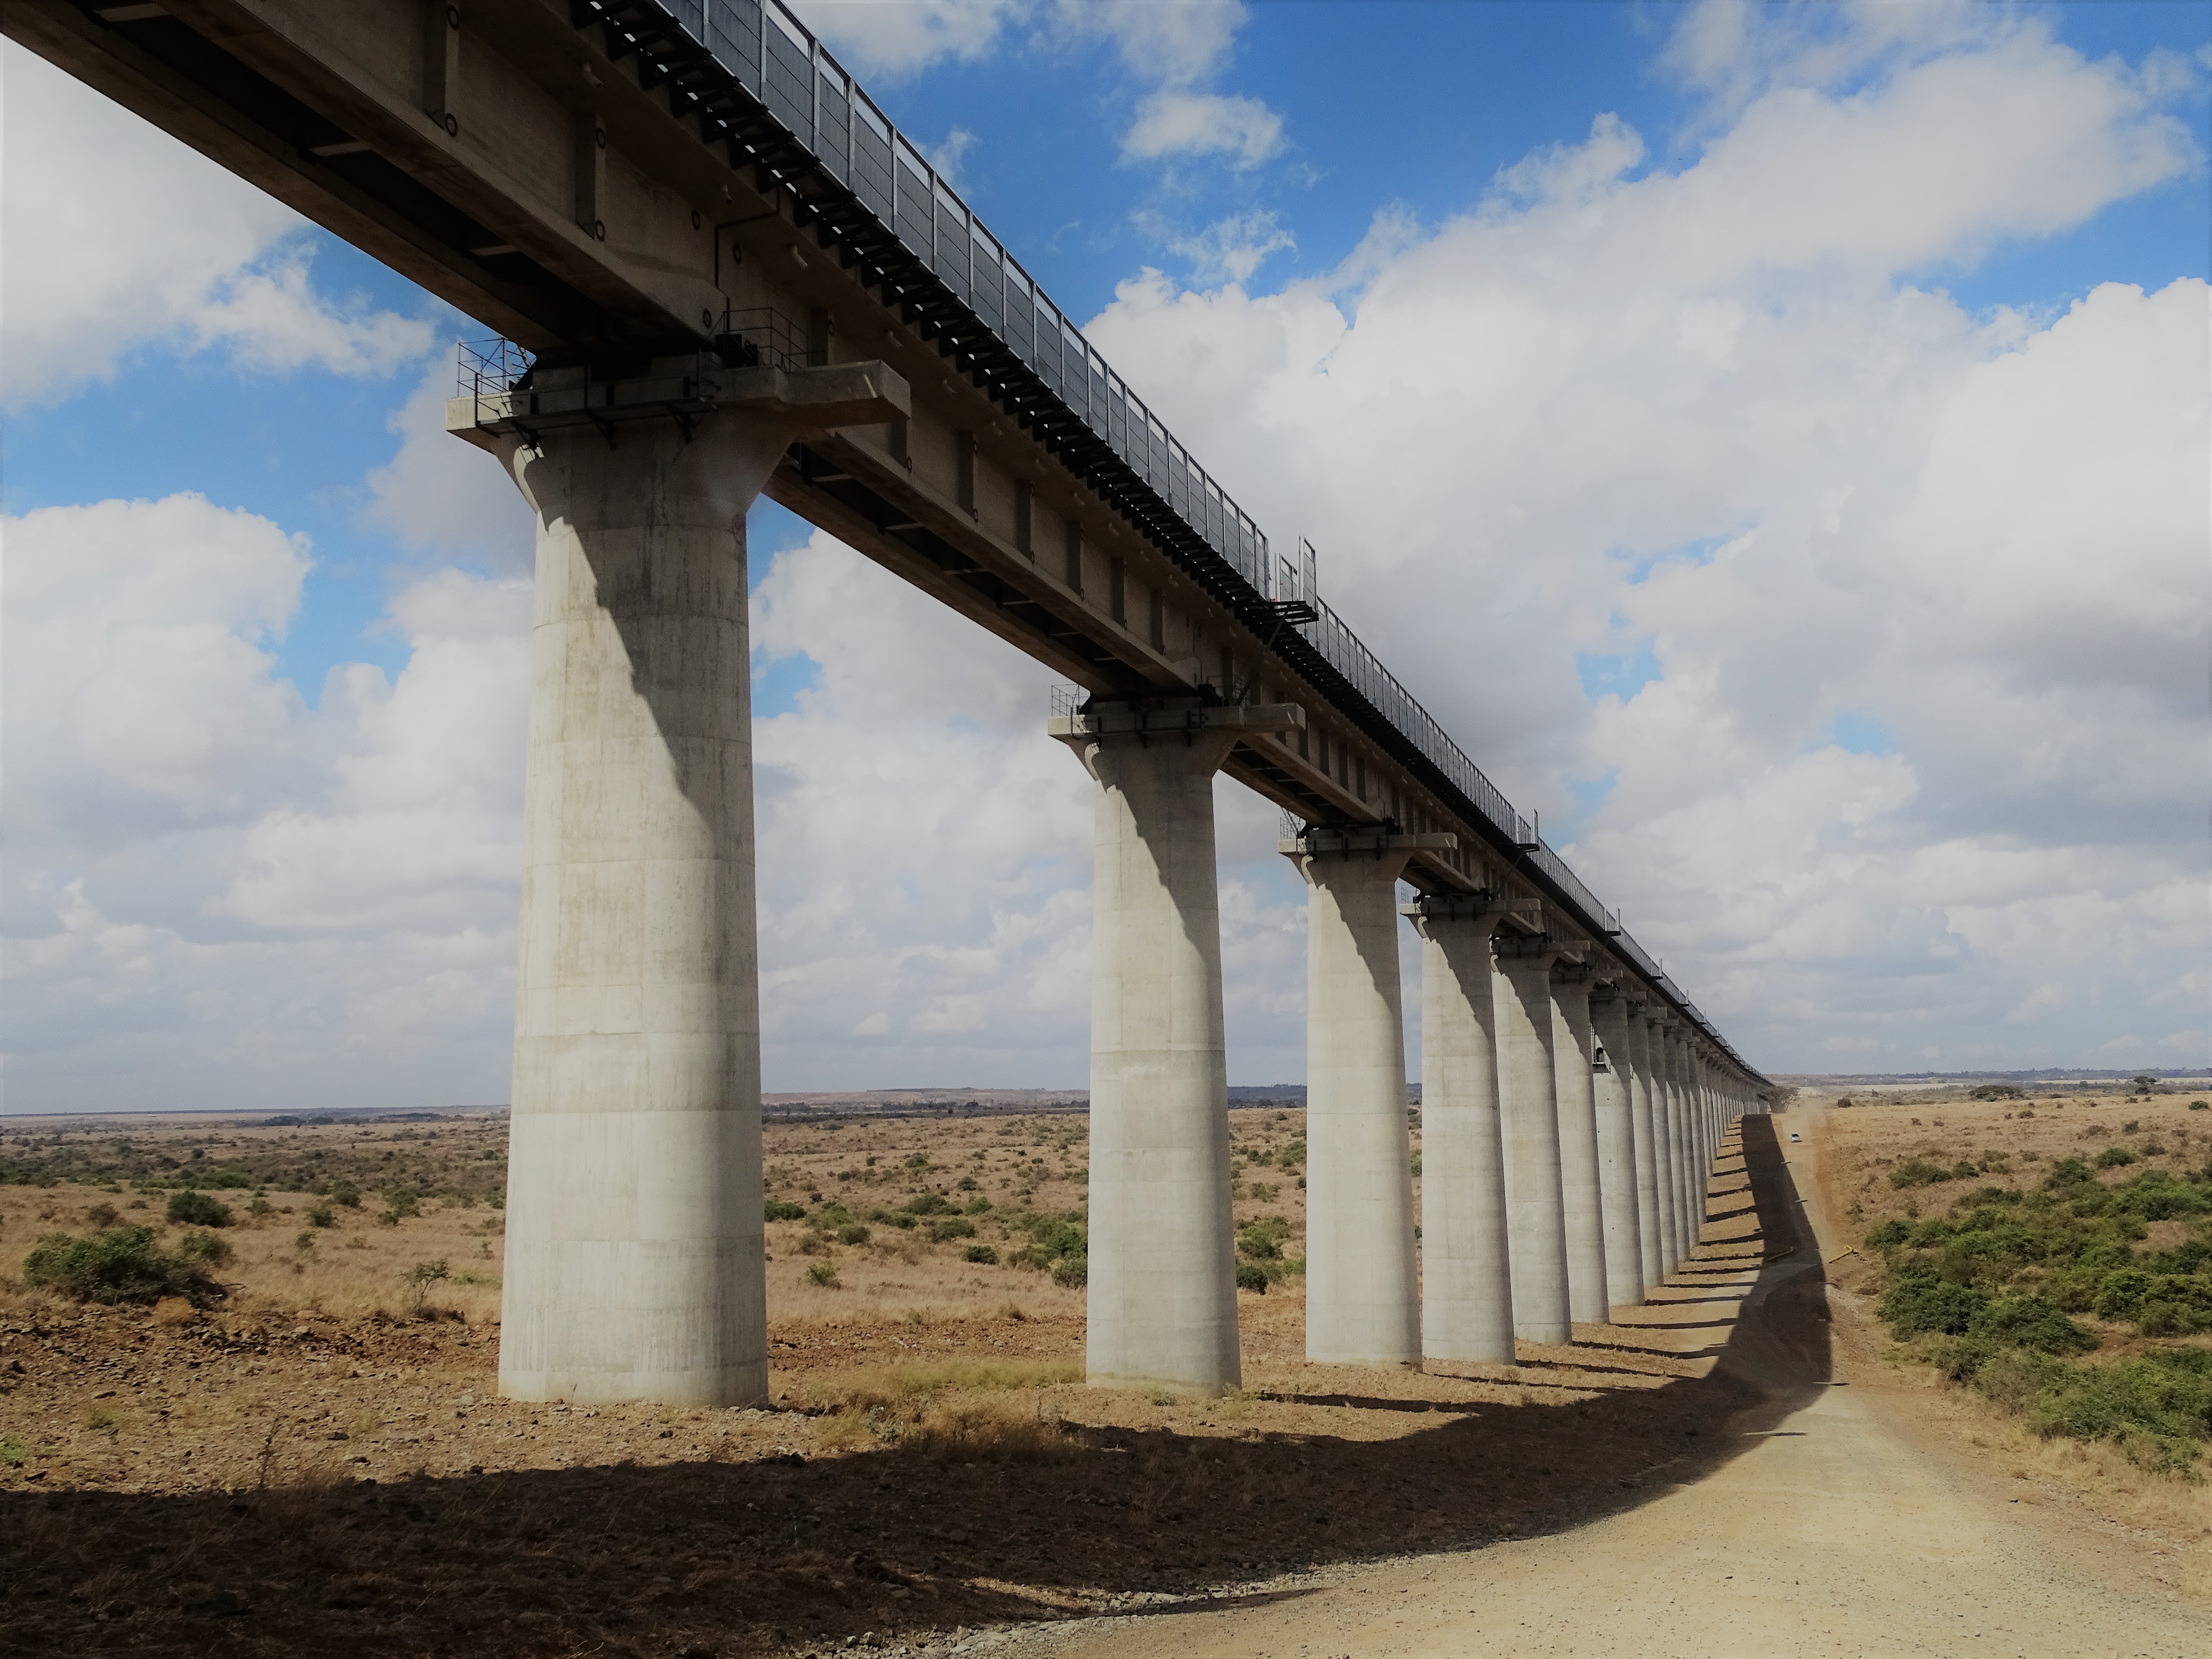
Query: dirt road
1846, 1525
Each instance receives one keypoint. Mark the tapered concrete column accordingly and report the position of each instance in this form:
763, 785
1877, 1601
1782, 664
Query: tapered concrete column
1688, 1172
634, 1198
1467, 1280
1529, 1112
1666, 1178
1162, 1296
1361, 1299
1616, 1148
1637, 1071
1581, 1197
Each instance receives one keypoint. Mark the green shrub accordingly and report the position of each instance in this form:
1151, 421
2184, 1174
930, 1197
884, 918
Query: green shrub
345, 1193
854, 1234
1251, 1276
2113, 1157
2200, 1105
1263, 1238
2029, 1321
783, 1209
320, 1215
119, 1265
1891, 1233
204, 1247
976, 1206
103, 1215
1918, 1303
1072, 1272
2068, 1172
1918, 1172
824, 1274
1292, 1155
419, 1278
197, 1209
2122, 1294
981, 1252
956, 1226
2157, 1405
927, 1204
400, 1203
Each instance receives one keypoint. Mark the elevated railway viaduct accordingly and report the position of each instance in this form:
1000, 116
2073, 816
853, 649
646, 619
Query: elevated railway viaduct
716, 271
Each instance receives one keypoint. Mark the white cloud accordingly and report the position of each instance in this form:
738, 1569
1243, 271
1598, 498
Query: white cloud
1174, 43
444, 497
275, 322
1566, 174
1230, 250
948, 157
117, 236
215, 895
1707, 410
1172, 122
893, 39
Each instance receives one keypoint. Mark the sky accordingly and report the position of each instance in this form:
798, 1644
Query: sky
1773, 439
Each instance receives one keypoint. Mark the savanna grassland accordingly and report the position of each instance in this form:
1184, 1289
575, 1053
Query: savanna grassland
275, 1429
2050, 1253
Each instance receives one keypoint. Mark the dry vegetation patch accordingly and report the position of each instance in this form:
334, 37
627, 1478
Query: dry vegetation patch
2052, 1252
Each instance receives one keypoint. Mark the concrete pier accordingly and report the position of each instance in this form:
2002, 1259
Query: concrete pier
1636, 1036
1162, 1296
1467, 1280
1666, 1144
1616, 1148
634, 1197
1529, 1113
1688, 1179
1361, 1300
1580, 1195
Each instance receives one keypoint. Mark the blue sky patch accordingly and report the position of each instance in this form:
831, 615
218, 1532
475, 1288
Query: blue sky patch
1863, 734
1621, 676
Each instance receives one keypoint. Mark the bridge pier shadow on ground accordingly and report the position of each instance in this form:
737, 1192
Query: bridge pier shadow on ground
729, 1558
